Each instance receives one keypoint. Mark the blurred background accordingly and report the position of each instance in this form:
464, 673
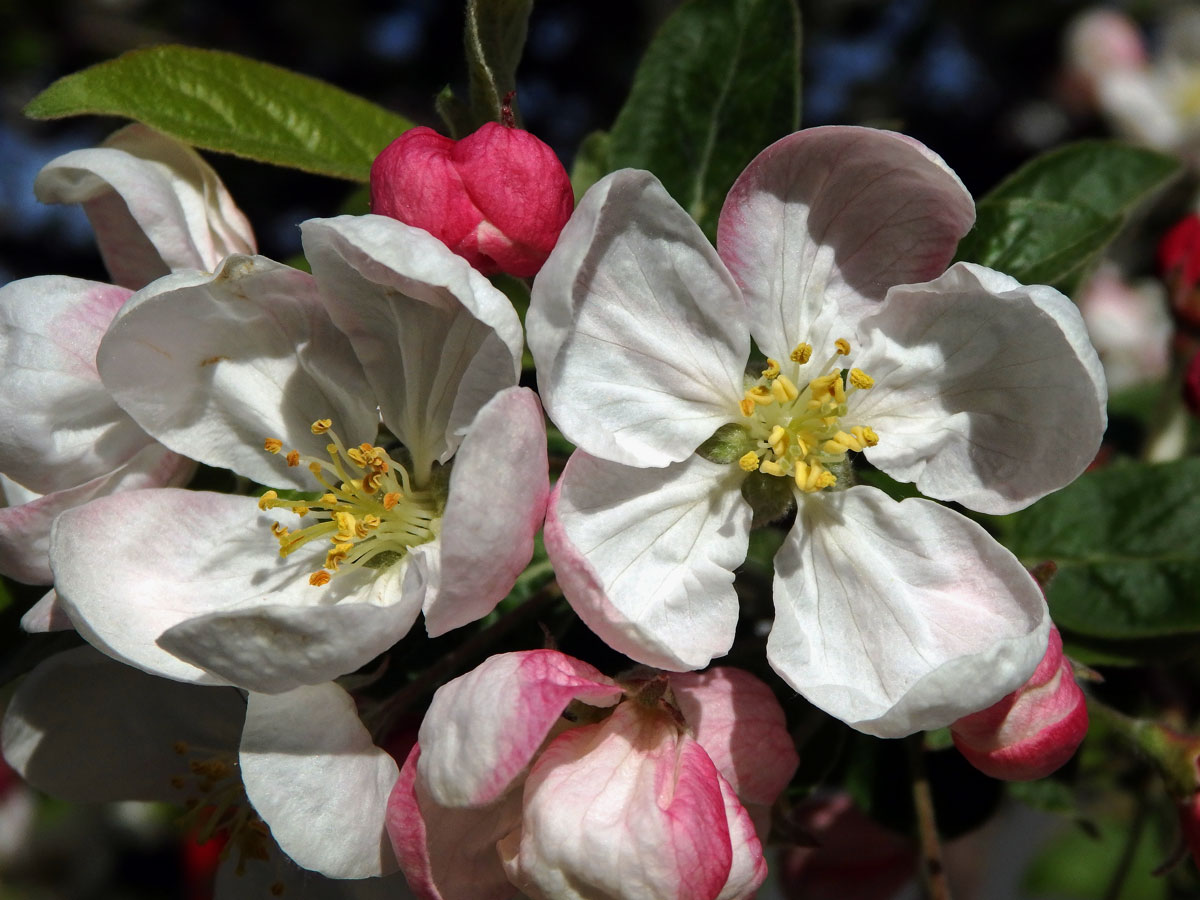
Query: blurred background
984, 84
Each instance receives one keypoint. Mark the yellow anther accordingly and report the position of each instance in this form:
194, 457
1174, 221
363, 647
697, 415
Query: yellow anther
391, 498
320, 577
315, 468
789, 387
825, 480
293, 458
749, 462
861, 379
760, 394
746, 405
279, 530
337, 556
843, 346
801, 474
301, 511
771, 467
371, 481
838, 390
778, 439
180, 747
772, 369
321, 426
370, 522
272, 445
802, 353
823, 385
329, 499
779, 392
866, 435
346, 527
267, 500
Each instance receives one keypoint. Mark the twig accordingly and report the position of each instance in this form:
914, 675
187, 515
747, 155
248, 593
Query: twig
932, 871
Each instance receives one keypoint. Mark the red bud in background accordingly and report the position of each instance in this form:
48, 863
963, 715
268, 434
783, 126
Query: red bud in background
498, 197
1179, 260
1032, 731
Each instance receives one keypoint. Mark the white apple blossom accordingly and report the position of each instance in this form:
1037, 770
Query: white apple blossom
156, 207
892, 616
282, 377
522, 780
296, 772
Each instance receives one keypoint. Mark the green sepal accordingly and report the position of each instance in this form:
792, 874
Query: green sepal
728, 444
494, 39
770, 497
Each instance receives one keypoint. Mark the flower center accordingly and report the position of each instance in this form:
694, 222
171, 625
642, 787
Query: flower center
215, 802
370, 511
800, 432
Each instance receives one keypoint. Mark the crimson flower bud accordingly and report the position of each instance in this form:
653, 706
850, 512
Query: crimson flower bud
1179, 260
1191, 384
1032, 731
498, 197
1189, 824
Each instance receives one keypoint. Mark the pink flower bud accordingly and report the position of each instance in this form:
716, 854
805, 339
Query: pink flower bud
1179, 260
1032, 731
1101, 40
1189, 824
498, 197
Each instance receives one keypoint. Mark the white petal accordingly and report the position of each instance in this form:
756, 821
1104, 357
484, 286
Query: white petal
25, 528
87, 729
986, 392
58, 425
175, 556
900, 617
155, 205
831, 218
212, 365
483, 728
46, 615
437, 341
315, 776
646, 556
638, 330
497, 500
273, 646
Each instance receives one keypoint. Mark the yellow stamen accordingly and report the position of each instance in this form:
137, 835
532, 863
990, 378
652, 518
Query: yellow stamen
843, 346
293, 458
772, 369
279, 530
267, 500
760, 394
749, 462
771, 467
321, 426
866, 435
778, 439
861, 379
789, 388
272, 445
747, 406
391, 498
320, 577
802, 353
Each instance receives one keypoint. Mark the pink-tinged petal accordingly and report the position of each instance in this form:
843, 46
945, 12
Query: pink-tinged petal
646, 556
900, 617
833, 217
212, 365
449, 854
436, 339
87, 729
155, 204
60, 427
748, 869
987, 392
314, 775
638, 330
1034, 730
273, 646
174, 556
741, 726
497, 500
46, 615
483, 728
627, 808
25, 528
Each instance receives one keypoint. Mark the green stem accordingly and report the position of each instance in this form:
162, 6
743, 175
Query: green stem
1116, 884
932, 870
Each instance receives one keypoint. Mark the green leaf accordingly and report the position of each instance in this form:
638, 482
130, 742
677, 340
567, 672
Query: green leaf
1126, 541
719, 82
495, 37
1078, 866
591, 163
225, 102
1048, 222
